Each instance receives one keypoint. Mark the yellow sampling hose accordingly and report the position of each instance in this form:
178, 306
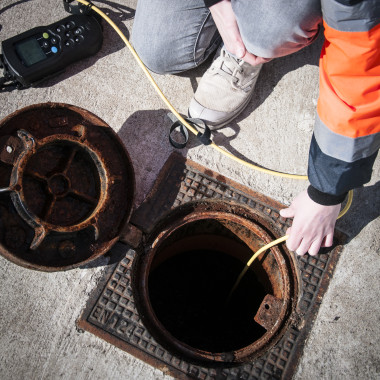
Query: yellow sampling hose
172, 109
278, 241
195, 132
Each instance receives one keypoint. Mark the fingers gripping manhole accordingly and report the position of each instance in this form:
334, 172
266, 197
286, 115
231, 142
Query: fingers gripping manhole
186, 277
66, 187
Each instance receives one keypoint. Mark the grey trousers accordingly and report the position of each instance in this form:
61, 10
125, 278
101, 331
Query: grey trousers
173, 36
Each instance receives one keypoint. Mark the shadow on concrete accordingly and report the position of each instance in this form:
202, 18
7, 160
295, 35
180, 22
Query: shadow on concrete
145, 137
118, 13
158, 200
145, 134
2, 10
364, 209
224, 142
274, 70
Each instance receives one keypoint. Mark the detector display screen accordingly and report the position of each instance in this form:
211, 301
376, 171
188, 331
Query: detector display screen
30, 51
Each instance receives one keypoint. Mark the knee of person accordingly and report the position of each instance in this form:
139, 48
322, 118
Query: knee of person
291, 32
278, 46
267, 51
155, 58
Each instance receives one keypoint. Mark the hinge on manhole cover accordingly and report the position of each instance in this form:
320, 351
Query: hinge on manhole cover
131, 235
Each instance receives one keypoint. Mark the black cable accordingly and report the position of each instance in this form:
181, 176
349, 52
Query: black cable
7, 87
7, 83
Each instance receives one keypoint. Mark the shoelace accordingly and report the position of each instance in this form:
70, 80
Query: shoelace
232, 74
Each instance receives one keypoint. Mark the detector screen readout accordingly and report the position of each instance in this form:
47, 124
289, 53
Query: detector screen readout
30, 51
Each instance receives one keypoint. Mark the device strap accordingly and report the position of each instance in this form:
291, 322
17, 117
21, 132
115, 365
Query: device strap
78, 9
204, 132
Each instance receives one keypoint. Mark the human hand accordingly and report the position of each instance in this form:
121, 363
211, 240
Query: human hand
228, 28
313, 225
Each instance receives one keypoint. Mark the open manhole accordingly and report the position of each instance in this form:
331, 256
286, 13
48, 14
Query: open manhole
185, 279
66, 187
167, 301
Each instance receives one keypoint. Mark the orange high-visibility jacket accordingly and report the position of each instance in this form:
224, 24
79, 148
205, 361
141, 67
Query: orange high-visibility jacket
347, 130
346, 136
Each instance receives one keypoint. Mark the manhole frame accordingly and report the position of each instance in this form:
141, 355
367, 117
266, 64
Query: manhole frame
257, 224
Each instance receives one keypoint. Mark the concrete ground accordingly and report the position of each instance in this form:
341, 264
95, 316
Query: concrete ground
38, 338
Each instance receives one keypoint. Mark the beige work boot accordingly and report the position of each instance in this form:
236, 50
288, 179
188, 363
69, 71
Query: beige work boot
224, 90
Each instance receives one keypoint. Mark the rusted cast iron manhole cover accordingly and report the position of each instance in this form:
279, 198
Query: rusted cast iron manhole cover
167, 302
66, 187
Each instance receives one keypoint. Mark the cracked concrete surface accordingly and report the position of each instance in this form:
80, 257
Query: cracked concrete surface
38, 338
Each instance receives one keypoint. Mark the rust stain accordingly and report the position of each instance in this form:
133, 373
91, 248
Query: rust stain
61, 163
9, 149
185, 227
269, 312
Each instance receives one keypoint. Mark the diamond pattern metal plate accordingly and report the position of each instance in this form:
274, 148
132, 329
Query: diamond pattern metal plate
111, 312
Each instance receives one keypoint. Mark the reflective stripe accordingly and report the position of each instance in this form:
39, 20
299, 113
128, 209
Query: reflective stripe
345, 148
347, 132
349, 90
333, 176
359, 17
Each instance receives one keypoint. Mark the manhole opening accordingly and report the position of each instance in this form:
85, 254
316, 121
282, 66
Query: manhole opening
190, 279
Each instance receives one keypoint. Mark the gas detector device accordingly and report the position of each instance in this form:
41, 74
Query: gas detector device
45, 51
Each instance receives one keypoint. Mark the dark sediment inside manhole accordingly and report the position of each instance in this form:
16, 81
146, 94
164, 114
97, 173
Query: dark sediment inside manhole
189, 293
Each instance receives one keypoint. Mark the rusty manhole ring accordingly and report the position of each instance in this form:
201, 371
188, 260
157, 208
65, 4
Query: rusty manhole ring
66, 187
184, 277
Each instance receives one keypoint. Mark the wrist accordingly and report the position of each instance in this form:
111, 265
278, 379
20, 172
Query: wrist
325, 199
